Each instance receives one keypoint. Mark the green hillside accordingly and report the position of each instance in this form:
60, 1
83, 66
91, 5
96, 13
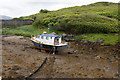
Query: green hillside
88, 22
100, 17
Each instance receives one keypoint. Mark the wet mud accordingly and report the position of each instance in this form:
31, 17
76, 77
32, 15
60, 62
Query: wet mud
79, 60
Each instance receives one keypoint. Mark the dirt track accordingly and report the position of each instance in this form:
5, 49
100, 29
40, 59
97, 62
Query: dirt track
20, 59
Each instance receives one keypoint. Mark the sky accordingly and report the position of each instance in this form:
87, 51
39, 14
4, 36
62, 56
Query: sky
18, 8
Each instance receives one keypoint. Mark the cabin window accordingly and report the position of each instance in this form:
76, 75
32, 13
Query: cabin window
38, 36
57, 39
47, 38
42, 37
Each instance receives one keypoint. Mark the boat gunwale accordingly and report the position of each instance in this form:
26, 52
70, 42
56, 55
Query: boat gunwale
48, 44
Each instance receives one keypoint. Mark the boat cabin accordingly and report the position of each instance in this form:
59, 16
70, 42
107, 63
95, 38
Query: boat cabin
49, 39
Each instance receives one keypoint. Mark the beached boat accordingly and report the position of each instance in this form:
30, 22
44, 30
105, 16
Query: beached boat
49, 42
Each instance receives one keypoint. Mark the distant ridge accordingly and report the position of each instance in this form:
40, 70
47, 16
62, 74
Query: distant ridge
3, 17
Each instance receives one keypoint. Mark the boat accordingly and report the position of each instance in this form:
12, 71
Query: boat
49, 42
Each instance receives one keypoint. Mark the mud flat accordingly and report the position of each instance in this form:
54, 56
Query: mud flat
20, 59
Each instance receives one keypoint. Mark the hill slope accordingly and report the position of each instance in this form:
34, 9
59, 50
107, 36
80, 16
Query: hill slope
100, 17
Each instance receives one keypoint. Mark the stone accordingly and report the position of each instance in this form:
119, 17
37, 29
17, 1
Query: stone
21, 77
16, 68
100, 41
77, 56
70, 53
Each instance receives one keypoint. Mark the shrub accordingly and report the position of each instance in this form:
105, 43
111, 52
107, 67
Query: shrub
100, 18
43, 11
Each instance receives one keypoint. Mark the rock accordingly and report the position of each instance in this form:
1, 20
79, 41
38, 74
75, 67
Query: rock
21, 77
9, 68
117, 75
100, 41
16, 68
74, 51
97, 57
85, 75
15, 73
85, 41
2, 74
79, 74
64, 35
92, 42
76, 56
76, 39
70, 53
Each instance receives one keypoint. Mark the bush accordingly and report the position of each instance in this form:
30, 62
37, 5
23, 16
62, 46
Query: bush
100, 18
43, 11
88, 24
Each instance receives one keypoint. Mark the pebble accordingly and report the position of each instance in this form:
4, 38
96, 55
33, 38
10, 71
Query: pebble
15, 73
70, 53
16, 68
100, 41
21, 77
2, 74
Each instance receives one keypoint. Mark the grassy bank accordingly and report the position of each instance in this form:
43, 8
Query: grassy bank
109, 39
28, 30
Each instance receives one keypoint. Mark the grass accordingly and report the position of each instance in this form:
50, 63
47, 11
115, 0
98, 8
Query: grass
28, 30
100, 17
109, 39
0, 31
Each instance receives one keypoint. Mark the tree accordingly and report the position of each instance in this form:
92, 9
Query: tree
43, 11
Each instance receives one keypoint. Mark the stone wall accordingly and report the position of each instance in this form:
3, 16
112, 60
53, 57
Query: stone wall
16, 22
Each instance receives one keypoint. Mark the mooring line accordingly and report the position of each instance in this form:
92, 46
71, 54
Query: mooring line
27, 78
52, 64
42, 66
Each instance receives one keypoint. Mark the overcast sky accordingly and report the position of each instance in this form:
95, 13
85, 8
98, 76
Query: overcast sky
17, 8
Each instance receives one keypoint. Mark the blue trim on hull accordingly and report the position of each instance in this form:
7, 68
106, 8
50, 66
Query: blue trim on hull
49, 47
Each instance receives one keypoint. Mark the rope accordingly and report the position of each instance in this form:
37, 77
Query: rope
27, 78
